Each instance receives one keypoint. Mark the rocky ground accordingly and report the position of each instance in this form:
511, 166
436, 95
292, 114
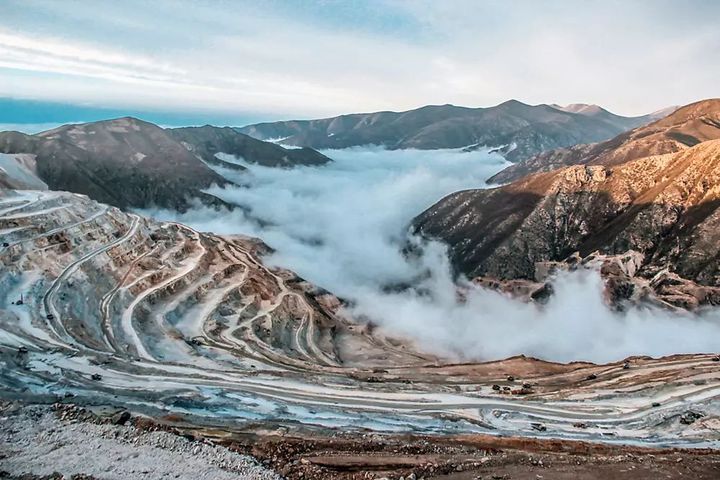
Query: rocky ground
68, 442
478, 458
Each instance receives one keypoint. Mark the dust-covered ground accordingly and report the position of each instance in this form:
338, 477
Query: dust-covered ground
71, 442
342, 456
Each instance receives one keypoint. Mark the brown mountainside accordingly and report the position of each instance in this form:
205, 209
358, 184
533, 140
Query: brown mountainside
129, 163
663, 206
680, 130
518, 130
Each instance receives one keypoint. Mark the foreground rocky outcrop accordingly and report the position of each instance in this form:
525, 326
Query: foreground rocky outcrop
516, 129
624, 283
683, 128
664, 207
130, 163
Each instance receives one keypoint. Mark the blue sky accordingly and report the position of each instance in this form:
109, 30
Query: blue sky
243, 61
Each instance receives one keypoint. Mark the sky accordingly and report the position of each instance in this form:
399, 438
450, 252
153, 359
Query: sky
244, 61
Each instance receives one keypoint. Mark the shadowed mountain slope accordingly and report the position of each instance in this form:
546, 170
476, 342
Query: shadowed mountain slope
517, 129
208, 141
130, 163
663, 206
124, 162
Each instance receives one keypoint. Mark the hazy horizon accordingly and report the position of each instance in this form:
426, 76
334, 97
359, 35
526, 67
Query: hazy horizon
33, 116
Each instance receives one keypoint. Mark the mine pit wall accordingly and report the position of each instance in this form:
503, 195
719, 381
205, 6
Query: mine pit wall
80, 299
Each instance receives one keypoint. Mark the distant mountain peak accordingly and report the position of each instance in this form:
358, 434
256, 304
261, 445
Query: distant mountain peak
663, 112
683, 127
513, 103
116, 125
709, 107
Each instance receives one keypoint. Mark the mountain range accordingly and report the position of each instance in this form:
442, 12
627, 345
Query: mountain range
516, 129
652, 191
128, 163
683, 128
648, 191
161, 328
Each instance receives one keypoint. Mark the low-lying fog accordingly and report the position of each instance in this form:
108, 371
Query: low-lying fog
342, 226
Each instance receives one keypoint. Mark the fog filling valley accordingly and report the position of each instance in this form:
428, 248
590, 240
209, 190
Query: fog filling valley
343, 226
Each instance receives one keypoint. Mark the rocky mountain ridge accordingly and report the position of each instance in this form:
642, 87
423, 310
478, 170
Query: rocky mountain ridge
518, 130
130, 163
664, 207
683, 128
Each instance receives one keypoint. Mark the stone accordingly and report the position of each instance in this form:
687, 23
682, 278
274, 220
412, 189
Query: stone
121, 418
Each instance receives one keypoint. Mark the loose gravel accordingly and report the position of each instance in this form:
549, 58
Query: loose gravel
33, 440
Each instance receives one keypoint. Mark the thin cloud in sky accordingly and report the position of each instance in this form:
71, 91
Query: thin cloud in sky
54, 55
292, 58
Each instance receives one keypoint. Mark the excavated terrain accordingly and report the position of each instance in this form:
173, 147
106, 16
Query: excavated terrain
191, 331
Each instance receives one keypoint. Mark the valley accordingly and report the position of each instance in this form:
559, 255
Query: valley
102, 307
554, 321
359, 240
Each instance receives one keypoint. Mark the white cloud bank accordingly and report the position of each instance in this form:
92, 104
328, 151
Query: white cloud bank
342, 226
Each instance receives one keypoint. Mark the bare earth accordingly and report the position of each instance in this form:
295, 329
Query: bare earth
67, 441
33, 440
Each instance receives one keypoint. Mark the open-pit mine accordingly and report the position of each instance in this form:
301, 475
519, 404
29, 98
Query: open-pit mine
105, 308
